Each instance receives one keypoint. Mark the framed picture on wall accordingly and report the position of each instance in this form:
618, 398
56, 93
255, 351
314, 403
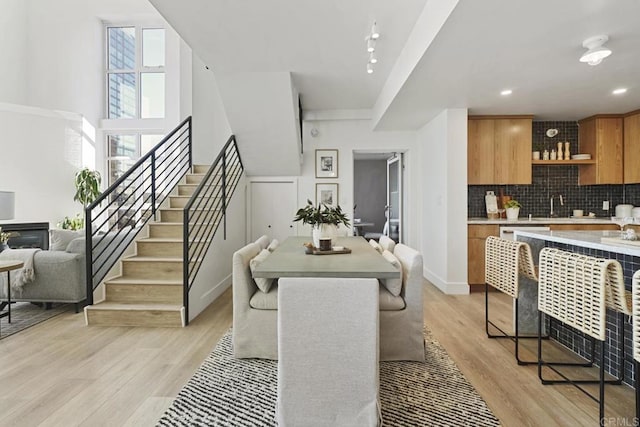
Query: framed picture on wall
327, 194
326, 163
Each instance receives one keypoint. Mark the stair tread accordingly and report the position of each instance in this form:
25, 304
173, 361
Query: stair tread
138, 258
133, 307
167, 240
125, 280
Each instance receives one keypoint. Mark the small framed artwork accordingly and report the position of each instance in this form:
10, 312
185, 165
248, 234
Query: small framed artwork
326, 163
327, 194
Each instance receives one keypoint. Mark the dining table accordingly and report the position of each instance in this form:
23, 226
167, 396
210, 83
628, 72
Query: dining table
290, 260
319, 334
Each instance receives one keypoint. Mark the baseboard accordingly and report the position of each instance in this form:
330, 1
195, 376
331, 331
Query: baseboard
210, 296
449, 288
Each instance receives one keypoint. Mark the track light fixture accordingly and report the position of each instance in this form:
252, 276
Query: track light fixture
371, 39
596, 51
369, 69
371, 45
374, 31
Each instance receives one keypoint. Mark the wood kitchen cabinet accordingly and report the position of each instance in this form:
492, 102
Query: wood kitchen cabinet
601, 136
499, 150
582, 227
476, 236
632, 147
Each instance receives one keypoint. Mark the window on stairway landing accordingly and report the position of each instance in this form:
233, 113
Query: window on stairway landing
135, 72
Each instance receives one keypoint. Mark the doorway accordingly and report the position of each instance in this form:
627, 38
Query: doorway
378, 194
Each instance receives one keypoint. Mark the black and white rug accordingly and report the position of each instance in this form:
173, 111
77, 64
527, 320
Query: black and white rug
242, 392
25, 315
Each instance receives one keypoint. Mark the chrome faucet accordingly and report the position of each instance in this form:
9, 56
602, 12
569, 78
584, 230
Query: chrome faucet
552, 214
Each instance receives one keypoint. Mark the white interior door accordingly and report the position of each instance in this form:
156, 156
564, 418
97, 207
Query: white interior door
394, 196
273, 207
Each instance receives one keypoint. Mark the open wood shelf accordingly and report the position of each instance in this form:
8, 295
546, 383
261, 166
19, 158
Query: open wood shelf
563, 162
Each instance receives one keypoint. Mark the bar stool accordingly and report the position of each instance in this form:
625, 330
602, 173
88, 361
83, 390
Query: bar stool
505, 260
574, 289
636, 336
619, 300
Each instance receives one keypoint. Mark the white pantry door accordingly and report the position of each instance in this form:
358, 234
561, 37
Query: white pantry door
273, 207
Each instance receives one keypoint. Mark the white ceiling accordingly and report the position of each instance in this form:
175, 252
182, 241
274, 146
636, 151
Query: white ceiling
485, 46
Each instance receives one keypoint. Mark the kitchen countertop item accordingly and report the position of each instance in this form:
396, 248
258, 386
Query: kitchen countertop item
623, 210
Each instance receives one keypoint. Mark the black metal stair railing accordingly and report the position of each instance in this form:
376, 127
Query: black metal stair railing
113, 221
206, 211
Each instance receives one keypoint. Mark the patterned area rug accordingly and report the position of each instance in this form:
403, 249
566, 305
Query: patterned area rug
25, 315
236, 392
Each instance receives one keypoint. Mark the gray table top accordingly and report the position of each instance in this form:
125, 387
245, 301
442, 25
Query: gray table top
290, 260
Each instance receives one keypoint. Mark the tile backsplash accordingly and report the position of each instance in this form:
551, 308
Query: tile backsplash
554, 181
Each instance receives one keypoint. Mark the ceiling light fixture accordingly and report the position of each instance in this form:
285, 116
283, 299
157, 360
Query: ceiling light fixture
619, 91
373, 58
371, 45
374, 31
596, 51
369, 69
506, 92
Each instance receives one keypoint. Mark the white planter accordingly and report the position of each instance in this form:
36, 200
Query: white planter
512, 213
325, 230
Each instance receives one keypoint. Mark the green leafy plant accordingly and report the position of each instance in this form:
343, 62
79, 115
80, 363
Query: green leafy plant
512, 204
87, 183
5, 236
76, 223
321, 214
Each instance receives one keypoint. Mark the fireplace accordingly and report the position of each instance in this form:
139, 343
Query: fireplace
30, 235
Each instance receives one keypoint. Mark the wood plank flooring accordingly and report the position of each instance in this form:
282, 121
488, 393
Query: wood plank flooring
63, 373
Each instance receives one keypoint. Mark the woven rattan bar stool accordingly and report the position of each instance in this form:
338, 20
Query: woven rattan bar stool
505, 260
619, 300
636, 336
573, 289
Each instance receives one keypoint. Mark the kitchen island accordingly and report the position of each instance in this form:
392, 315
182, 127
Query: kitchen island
602, 244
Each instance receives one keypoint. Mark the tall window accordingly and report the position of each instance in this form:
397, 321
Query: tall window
135, 80
135, 72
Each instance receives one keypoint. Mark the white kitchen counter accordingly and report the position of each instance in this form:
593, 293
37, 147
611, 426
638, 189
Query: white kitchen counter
586, 239
540, 221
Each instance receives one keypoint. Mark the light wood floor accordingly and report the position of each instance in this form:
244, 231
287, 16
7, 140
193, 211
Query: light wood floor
62, 373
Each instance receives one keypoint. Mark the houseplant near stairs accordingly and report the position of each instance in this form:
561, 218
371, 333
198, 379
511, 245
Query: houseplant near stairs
323, 219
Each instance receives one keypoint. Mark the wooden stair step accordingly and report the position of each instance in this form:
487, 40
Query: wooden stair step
132, 290
125, 280
150, 315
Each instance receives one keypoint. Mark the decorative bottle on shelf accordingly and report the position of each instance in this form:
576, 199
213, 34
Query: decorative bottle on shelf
545, 155
560, 151
553, 155
567, 154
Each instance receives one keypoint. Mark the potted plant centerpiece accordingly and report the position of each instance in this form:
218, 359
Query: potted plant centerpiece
513, 209
323, 219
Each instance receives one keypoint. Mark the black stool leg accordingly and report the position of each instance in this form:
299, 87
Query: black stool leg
601, 401
637, 387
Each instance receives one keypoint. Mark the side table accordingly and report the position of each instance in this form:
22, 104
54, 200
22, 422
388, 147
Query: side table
9, 266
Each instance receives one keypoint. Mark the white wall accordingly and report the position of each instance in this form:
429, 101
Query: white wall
443, 226
347, 136
41, 151
211, 128
214, 276
13, 45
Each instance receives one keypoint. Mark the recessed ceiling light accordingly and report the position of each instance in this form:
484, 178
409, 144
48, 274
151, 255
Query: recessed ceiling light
506, 92
371, 45
373, 58
620, 91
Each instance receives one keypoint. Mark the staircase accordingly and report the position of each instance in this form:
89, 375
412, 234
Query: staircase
150, 290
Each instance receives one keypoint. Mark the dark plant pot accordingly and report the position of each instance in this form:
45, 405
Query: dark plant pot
3, 246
